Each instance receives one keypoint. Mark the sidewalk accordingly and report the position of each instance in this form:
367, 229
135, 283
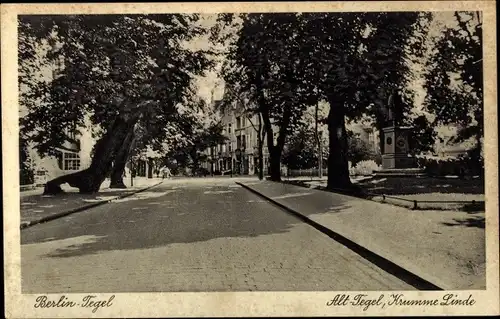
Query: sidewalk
439, 197
36, 208
445, 248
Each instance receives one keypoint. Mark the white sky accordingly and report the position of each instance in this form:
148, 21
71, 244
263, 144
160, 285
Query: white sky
211, 82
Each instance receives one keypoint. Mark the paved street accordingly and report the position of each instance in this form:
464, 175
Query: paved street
195, 235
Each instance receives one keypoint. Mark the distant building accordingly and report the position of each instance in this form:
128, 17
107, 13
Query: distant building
239, 154
366, 131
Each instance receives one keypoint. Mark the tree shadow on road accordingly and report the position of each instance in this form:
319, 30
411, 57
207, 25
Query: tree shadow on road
476, 221
184, 216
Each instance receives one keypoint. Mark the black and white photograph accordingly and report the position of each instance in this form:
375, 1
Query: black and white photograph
343, 156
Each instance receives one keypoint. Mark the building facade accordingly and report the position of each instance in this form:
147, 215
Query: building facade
72, 156
239, 154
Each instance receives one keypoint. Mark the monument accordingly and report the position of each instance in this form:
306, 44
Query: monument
396, 146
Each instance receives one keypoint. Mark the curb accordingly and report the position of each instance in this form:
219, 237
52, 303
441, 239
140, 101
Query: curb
82, 208
385, 264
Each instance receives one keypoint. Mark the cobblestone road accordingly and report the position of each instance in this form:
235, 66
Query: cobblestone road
202, 235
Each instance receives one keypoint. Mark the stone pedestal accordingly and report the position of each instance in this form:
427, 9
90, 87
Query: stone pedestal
396, 161
396, 148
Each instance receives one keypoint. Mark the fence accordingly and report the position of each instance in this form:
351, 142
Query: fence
429, 204
311, 172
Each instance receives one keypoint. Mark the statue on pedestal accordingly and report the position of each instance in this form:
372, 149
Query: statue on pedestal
396, 138
394, 109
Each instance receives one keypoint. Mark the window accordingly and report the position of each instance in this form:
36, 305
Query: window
238, 122
243, 141
238, 142
71, 161
229, 128
230, 147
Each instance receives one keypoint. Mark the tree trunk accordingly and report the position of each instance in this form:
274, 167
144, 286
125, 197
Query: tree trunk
274, 158
261, 134
150, 167
120, 162
275, 164
320, 159
90, 179
318, 141
195, 162
275, 151
261, 159
338, 167
273, 161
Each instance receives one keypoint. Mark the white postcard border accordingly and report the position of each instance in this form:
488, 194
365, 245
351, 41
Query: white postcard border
237, 303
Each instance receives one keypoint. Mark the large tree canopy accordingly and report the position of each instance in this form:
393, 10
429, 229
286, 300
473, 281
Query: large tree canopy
120, 70
105, 65
454, 77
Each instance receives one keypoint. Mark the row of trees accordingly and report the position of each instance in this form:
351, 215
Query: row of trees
359, 63
133, 76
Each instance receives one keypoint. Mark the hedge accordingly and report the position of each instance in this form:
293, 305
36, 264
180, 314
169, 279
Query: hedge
461, 166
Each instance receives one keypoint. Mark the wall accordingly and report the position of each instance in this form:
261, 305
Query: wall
50, 164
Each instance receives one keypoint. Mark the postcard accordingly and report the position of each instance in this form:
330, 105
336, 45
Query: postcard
250, 159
